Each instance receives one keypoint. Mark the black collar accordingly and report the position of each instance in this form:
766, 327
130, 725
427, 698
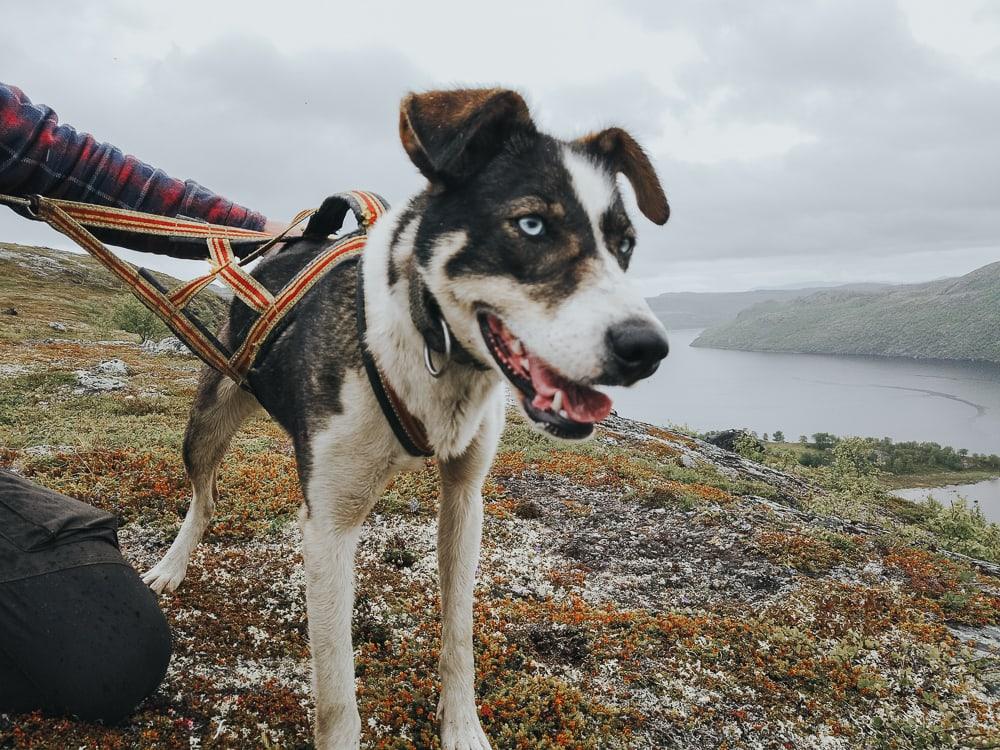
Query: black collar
408, 429
427, 317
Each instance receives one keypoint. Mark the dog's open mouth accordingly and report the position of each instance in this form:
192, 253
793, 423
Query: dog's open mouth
555, 403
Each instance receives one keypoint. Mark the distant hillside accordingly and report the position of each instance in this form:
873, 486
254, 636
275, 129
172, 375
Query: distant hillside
946, 319
704, 309
40, 285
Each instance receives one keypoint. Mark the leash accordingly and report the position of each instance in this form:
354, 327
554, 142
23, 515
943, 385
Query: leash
73, 219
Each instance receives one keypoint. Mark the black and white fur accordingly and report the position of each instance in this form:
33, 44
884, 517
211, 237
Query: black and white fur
461, 243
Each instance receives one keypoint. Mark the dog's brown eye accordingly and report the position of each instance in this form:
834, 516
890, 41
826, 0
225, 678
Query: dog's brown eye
626, 246
532, 225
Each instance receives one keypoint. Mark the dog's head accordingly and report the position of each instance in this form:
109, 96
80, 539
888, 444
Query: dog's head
524, 242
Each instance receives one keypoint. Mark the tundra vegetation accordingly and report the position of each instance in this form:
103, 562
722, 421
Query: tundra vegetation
897, 464
642, 590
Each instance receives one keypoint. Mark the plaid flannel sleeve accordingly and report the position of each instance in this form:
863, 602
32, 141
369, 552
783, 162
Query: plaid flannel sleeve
38, 155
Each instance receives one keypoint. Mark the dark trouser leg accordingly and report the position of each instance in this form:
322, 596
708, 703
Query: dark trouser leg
89, 641
17, 694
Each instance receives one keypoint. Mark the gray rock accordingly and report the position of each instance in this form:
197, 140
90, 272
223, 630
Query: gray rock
985, 640
93, 382
112, 367
107, 375
100, 344
169, 345
12, 371
36, 451
688, 461
727, 439
57, 326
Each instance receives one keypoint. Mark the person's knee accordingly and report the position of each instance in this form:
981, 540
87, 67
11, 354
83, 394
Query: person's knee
136, 657
123, 682
126, 656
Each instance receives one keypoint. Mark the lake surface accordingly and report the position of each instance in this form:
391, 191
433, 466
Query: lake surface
986, 494
951, 403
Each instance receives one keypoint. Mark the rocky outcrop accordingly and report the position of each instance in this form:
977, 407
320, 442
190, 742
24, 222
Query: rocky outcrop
168, 345
108, 375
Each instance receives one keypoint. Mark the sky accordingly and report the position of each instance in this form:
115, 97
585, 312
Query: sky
800, 142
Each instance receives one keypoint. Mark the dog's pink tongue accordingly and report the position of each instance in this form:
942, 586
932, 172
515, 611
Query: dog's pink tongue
581, 403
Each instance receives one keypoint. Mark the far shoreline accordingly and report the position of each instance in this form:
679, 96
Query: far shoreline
859, 355
936, 479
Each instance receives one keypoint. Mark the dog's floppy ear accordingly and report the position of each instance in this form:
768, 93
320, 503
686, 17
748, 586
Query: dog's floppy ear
449, 135
620, 151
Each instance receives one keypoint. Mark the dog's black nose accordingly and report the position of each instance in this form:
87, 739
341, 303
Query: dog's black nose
637, 346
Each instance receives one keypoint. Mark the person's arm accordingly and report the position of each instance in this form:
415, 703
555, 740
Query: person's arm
40, 156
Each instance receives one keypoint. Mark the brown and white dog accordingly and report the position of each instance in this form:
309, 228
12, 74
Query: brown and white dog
518, 247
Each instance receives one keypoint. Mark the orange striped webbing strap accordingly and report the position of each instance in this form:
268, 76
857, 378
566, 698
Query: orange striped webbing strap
72, 219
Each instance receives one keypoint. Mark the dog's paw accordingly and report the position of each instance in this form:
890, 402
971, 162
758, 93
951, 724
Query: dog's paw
342, 731
166, 575
349, 740
460, 730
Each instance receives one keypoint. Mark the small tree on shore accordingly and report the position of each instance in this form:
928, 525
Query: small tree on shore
128, 314
824, 441
749, 447
854, 469
779, 436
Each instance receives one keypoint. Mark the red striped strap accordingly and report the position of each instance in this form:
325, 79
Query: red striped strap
183, 294
372, 207
368, 208
244, 286
148, 294
69, 218
303, 281
106, 217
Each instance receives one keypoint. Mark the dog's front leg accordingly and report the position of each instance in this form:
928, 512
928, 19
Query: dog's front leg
460, 525
341, 492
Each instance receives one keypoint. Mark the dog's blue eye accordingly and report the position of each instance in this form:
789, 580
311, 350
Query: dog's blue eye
626, 246
531, 225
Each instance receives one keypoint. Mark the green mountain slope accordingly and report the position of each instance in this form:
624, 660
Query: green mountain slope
704, 309
946, 319
39, 285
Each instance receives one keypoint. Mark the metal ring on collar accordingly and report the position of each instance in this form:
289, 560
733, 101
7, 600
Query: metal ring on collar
429, 361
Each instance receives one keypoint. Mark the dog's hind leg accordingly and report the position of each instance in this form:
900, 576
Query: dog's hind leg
217, 413
460, 524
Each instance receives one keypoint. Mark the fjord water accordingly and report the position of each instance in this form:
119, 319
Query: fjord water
951, 403
985, 494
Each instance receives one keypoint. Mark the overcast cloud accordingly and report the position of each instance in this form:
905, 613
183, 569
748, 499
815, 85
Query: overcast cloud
799, 142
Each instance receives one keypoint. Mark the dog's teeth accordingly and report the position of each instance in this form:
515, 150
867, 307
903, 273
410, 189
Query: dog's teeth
517, 347
563, 414
557, 401
525, 364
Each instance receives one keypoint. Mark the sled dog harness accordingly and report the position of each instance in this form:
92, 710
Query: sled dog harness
72, 219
